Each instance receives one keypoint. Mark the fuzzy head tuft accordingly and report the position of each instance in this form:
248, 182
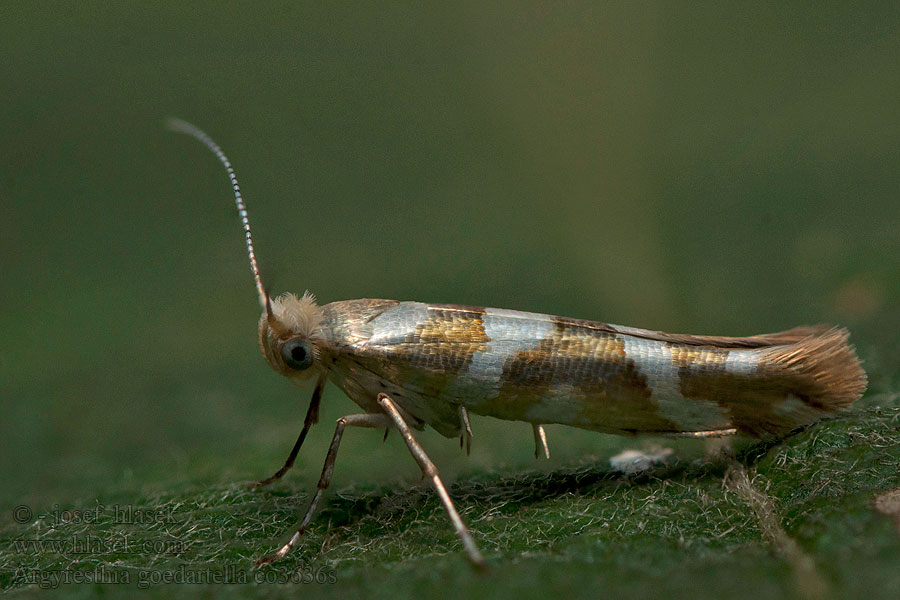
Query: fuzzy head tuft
298, 315
290, 334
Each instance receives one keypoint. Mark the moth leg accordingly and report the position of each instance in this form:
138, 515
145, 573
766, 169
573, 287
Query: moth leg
312, 417
360, 420
540, 441
430, 471
714, 433
467, 429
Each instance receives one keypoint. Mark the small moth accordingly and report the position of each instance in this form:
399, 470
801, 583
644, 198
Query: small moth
412, 364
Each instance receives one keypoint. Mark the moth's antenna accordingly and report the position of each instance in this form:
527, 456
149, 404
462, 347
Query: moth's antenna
185, 127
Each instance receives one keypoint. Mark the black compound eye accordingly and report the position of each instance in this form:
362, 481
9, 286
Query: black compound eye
297, 354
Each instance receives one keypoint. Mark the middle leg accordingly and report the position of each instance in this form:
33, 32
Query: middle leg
360, 420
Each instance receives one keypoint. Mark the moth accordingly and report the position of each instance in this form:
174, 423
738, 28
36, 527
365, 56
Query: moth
409, 365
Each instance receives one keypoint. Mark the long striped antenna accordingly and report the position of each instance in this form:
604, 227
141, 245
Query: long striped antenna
185, 127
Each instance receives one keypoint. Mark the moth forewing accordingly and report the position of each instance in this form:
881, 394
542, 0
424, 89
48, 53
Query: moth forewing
409, 365
544, 369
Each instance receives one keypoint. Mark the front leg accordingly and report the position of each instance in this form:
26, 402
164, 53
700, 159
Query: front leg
429, 470
362, 420
312, 417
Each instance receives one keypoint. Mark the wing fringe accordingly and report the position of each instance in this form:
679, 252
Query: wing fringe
824, 365
807, 379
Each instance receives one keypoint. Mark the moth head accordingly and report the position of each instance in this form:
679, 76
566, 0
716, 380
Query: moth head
290, 335
289, 329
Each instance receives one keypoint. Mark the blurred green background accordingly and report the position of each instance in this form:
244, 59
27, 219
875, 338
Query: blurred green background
706, 168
